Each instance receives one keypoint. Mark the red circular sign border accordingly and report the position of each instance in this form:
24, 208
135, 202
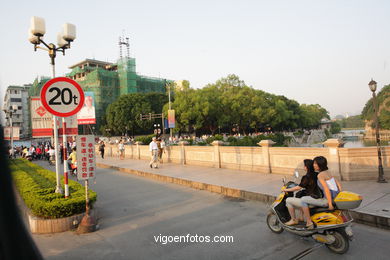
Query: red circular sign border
60, 79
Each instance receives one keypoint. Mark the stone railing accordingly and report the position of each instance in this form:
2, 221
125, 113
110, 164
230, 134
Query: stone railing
344, 163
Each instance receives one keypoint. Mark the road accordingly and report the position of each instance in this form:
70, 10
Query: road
134, 211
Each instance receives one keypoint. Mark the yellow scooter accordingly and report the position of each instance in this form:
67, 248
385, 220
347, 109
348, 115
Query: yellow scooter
332, 227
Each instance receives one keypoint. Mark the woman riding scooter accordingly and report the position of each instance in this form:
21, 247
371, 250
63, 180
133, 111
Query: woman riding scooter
328, 184
73, 161
309, 183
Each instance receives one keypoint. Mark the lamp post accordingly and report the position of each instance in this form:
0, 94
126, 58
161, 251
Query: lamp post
372, 86
9, 112
157, 130
64, 38
169, 107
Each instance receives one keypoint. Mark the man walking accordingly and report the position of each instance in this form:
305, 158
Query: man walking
101, 148
153, 148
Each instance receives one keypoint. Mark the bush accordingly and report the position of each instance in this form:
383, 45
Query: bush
36, 186
145, 139
218, 137
298, 133
190, 141
278, 138
231, 139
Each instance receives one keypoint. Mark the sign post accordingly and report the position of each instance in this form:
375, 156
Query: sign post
86, 162
61, 97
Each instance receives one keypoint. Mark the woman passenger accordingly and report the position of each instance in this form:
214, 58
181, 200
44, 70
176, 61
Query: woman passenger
309, 183
328, 184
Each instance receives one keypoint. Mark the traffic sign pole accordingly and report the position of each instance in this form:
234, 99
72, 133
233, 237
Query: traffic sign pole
55, 128
61, 97
64, 150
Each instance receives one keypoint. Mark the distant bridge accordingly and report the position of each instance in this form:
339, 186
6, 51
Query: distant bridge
351, 136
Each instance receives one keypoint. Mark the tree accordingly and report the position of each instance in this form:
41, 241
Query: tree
383, 102
311, 115
230, 103
335, 128
124, 114
352, 122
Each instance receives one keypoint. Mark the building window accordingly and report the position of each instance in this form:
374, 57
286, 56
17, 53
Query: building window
19, 107
16, 100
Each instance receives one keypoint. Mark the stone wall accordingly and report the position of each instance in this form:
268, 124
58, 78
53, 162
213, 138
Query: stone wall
345, 163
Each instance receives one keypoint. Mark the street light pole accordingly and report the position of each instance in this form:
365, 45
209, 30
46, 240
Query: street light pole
169, 107
12, 130
64, 38
9, 114
372, 85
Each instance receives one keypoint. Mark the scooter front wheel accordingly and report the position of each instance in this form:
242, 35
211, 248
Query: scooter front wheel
341, 244
273, 223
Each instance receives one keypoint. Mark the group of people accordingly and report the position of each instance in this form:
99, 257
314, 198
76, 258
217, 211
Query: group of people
317, 188
34, 152
157, 148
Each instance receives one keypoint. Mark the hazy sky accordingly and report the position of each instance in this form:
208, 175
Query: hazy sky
312, 51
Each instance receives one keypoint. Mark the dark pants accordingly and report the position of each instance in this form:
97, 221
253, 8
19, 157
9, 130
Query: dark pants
102, 153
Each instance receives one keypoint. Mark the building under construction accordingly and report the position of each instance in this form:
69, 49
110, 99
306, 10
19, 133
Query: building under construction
110, 80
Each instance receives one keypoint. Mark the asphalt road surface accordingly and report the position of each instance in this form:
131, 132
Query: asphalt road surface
135, 212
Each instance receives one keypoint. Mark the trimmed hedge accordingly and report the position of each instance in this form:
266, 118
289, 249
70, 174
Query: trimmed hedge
145, 139
36, 186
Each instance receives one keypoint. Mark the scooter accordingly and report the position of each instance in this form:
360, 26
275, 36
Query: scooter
332, 227
73, 169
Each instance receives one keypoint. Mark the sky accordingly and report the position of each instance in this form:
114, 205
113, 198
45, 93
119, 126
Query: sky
312, 51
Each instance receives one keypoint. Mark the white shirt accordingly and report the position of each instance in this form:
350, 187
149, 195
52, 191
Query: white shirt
153, 146
52, 152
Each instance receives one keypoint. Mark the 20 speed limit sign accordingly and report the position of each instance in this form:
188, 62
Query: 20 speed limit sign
62, 97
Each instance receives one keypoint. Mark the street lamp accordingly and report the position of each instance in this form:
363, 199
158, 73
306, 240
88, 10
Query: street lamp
372, 86
157, 130
9, 112
64, 38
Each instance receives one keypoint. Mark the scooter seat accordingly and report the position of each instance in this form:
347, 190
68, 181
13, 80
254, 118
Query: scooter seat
318, 210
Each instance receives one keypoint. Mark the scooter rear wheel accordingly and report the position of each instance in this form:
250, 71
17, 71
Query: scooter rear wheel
273, 223
341, 244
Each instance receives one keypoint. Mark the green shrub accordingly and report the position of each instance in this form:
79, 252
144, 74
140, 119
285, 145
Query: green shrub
218, 137
231, 139
190, 141
36, 186
145, 139
298, 133
278, 138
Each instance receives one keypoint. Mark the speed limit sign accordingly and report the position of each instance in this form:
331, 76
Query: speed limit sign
62, 97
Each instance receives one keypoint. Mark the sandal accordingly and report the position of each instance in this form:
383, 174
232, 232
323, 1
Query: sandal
292, 222
310, 227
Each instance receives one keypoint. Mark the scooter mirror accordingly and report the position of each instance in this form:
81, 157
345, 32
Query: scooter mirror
296, 174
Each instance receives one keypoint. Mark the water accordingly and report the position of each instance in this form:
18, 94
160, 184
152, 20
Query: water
360, 143
363, 143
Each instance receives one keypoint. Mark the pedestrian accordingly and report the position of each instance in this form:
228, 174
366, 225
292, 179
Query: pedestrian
161, 149
101, 148
62, 153
10, 152
39, 153
121, 148
51, 154
153, 148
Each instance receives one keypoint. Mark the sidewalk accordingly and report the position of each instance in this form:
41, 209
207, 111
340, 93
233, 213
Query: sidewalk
374, 210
